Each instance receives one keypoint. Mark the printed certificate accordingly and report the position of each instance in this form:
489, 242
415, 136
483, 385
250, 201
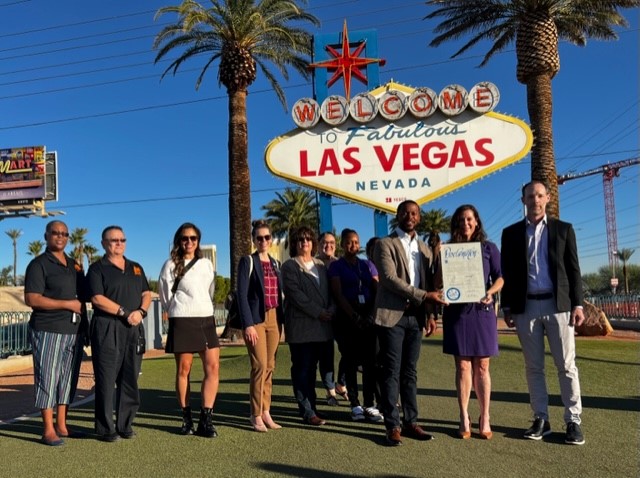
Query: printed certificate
462, 273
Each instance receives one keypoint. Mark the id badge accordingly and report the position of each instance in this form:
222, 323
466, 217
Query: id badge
361, 299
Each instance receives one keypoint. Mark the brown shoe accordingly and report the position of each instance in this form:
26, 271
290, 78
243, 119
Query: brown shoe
315, 420
394, 437
415, 431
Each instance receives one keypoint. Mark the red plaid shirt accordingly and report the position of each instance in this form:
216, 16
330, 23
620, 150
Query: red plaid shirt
271, 295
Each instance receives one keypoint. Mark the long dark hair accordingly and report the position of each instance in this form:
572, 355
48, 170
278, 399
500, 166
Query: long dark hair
177, 253
456, 233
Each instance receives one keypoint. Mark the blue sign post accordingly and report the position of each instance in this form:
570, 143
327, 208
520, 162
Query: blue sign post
343, 64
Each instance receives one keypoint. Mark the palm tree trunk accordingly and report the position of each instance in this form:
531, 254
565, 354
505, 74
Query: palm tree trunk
239, 182
543, 165
15, 263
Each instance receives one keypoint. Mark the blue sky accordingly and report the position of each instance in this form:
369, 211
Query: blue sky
78, 77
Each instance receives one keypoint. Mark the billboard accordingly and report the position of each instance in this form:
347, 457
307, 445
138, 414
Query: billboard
396, 143
22, 175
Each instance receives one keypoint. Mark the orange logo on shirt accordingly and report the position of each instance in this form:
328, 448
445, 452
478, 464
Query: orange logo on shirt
137, 271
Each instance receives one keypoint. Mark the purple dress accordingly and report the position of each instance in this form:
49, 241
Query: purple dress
471, 330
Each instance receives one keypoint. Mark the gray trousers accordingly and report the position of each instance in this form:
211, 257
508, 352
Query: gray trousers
541, 317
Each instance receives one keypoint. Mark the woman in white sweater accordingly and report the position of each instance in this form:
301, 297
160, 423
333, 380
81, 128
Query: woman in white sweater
186, 288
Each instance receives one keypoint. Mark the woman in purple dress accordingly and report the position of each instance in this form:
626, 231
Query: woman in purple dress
470, 330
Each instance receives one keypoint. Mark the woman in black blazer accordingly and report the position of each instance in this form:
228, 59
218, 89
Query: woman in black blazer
260, 305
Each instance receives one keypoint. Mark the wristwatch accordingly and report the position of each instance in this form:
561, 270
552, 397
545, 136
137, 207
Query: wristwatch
143, 312
121, 312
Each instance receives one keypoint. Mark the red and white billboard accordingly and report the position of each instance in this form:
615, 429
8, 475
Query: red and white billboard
396, 143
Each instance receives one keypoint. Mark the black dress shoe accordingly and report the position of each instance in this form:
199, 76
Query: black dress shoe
128, 435
393, 438
109, 437
540, 428
415, 431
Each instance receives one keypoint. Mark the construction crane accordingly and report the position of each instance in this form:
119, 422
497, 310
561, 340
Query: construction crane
609, 172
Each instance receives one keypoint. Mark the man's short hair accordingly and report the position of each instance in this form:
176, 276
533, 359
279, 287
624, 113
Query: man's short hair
406, 202
536, 181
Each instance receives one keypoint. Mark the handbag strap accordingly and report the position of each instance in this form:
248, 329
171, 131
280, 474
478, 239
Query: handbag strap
186, 269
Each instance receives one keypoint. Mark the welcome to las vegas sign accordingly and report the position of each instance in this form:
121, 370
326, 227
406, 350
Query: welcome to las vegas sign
396, 143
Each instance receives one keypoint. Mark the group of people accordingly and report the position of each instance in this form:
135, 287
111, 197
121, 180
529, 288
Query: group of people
376, 310
57, 291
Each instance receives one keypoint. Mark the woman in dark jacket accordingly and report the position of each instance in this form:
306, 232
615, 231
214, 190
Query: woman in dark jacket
308, 315
260, 305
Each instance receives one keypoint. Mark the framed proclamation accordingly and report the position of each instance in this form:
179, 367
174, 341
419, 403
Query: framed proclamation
462, 272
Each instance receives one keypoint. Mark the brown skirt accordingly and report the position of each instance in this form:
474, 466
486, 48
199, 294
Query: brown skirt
191, 334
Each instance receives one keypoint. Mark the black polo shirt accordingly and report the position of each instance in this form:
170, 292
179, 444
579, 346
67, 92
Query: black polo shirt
48, 276
123, 287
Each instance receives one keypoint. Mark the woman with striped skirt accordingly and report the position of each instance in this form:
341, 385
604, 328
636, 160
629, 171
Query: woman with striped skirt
53, 286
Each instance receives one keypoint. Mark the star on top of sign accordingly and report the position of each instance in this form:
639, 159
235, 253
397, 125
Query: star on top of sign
347, 64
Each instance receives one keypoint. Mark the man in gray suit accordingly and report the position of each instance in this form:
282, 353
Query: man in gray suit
404, 307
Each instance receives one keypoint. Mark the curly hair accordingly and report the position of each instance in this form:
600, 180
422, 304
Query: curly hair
456, 220
177, 253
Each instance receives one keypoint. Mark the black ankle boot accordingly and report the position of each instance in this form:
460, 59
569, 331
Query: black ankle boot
206, 428
187, 422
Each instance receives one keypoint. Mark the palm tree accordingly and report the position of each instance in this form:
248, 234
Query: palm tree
292, 209
14, 234
90, 251
241, 34
35, 248
78, 240
5, 275
535, 26
624, 255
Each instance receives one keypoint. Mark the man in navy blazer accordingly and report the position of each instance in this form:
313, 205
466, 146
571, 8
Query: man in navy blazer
403, 308
542, 295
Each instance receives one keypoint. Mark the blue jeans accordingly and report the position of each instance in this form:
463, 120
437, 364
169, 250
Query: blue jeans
304, 361
398, 359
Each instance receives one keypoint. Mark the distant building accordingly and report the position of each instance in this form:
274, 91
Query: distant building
209, 251
277, 250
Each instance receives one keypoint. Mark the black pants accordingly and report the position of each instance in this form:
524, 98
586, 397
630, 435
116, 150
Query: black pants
304, 362
115, 364
357, 347
398, 359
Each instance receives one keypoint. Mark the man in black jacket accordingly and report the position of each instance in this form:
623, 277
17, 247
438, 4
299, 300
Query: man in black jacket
542, 296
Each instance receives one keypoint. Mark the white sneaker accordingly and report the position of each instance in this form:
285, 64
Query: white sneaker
373, 414
357, 414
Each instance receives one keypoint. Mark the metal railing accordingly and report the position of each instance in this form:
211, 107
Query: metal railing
14, 338
618, 306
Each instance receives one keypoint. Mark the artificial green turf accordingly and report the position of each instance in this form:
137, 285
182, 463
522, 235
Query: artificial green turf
609, 377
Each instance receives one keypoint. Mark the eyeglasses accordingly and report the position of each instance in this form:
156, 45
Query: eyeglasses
263, 238
304, 239
189, 238
117, 240
59, 233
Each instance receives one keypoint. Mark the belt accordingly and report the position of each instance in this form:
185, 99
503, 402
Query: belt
543, 296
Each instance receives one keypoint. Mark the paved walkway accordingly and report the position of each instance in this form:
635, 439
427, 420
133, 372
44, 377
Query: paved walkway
16, 386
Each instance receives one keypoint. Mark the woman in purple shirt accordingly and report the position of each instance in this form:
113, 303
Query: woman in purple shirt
354, 291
